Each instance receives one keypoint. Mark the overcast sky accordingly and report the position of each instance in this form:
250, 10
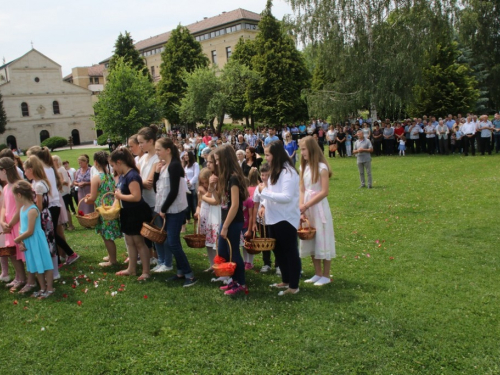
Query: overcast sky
83, 33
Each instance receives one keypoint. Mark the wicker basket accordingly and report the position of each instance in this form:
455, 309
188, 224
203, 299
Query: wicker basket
195, 240
226, 268
7, 251
109, 212
307, 233
88, 220
154, 233
248, 246
263, 243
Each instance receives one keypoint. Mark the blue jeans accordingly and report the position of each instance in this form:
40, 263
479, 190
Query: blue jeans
233, 235
164, 254
173, 228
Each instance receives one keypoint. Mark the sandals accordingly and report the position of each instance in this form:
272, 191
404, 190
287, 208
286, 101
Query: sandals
46, 294
38, 294
288, 291
15, 285
27, 288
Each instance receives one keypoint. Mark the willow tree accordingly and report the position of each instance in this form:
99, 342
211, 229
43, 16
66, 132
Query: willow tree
370, 51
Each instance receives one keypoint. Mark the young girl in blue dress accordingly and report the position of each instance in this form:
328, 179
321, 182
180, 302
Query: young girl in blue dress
32, 240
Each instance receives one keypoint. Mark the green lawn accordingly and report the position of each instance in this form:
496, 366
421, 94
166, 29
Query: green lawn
415, 290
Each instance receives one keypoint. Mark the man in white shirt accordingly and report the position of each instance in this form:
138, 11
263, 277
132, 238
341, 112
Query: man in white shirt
469, 130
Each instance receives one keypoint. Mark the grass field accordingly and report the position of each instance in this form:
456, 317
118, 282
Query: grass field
415, 290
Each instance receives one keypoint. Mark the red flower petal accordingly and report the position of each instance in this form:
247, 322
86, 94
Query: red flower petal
15, 302
79, 303
145, 296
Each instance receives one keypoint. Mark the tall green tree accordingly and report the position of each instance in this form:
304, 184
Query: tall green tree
244, 51
283, 74
127, 103
479, 29
448, 86
124, 48
371, 51
182, 54
201, 86
3, 117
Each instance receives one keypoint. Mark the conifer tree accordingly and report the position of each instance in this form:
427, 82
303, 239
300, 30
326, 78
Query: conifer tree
182, 54
124, 48
283, 74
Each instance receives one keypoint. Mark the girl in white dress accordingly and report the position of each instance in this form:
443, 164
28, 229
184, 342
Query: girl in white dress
208, 213
314, 181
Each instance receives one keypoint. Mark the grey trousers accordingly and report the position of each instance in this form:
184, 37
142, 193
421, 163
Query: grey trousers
361, 167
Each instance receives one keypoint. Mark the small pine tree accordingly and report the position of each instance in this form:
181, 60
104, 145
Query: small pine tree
182, 54
3, 117
124, 47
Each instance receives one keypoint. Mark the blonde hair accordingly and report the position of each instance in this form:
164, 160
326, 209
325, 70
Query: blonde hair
36, 166
205, 174
315, 157
253, 177
57, 161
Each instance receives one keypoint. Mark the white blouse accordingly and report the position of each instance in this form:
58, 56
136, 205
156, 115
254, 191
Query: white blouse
282, 199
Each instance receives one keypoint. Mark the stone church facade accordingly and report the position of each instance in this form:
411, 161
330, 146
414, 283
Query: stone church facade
39, 104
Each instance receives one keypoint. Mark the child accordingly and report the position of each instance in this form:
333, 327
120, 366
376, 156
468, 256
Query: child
208, 211
281, 194
101, 184
40, 185
247, 214
33, 241
134, 212
257, 222
348, 144
232, 192
313, 203
4, 261
9, 220
402, 145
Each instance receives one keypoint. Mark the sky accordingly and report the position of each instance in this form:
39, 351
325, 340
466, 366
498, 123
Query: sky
83, 33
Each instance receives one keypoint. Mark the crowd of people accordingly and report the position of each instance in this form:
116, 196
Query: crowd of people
225, 185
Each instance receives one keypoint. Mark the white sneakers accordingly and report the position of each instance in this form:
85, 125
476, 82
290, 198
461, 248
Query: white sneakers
160, 268
318, 280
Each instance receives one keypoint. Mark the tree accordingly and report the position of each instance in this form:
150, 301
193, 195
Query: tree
479, 30
182, 54
127, 103
201, 86
283, 74
124, 48
3, 117
371, 51
447, 86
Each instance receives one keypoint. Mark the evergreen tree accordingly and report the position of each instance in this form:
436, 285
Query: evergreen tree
447, 86
127, 103
283, 74
124, 48
182, 54
244, 51
479, 30
3, 117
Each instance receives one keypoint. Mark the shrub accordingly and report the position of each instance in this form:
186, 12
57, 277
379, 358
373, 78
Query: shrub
55, 142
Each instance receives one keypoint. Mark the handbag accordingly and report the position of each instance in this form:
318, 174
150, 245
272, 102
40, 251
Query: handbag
48, 225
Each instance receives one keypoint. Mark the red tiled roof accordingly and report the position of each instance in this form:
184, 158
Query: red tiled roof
96, 70
206, 24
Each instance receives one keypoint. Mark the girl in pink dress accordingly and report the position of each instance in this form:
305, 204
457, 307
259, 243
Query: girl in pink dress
9, 220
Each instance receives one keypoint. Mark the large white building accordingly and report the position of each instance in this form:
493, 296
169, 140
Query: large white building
39, 104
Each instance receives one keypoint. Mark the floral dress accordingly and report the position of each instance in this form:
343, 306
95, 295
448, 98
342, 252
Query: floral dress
210, 219
109, 229
322, 246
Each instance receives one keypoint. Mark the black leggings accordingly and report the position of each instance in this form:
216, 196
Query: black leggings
68, 202
287, 252
55, 212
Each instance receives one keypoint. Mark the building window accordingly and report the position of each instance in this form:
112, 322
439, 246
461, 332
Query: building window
228, 53
153, 71
55, 107
214, 57
96, 80
25, 110
44, 134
